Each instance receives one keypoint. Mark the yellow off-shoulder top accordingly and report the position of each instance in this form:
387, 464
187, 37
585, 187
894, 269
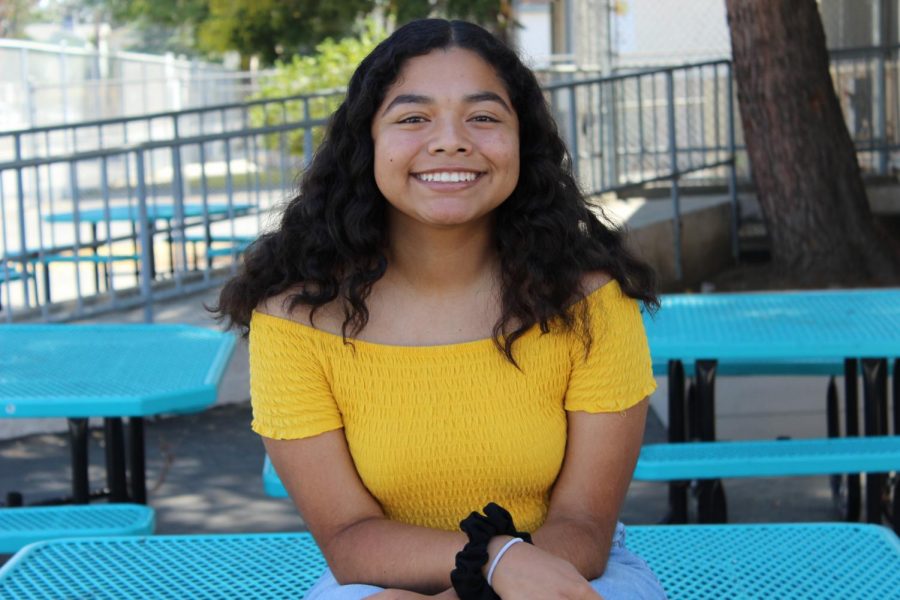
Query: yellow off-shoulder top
436, 432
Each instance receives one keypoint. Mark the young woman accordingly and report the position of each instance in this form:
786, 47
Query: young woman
440, 323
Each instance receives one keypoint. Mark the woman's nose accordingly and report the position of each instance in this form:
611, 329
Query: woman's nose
450, 138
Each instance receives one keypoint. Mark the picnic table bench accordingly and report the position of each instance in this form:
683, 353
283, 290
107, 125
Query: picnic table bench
25, 525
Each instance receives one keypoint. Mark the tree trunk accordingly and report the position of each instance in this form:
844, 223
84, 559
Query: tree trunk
804, 162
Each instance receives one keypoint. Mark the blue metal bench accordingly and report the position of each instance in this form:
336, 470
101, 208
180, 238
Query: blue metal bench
710, 461
24, 525
797, 561
768, 458
233, 245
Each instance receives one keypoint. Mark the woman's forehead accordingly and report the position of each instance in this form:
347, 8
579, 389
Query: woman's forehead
453, 71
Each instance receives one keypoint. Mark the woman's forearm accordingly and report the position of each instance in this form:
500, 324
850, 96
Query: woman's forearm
394, 555
584, 544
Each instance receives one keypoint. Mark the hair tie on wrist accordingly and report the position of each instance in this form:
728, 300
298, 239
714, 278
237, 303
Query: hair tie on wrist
506, 546
467, 578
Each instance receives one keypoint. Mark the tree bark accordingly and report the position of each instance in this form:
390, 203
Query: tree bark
804, 162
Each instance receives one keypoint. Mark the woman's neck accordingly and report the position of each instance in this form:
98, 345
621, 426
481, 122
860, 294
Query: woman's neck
440, 261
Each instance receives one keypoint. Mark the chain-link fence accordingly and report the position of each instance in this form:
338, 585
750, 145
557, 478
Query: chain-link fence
42, 84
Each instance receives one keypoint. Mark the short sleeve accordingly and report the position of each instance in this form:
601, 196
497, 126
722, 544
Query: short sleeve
617, 372
289, 392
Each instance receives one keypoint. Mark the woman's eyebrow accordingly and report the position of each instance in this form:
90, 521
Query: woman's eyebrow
469, 98
408, 99
488, 97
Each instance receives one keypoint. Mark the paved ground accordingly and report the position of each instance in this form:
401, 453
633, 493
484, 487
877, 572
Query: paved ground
204, 469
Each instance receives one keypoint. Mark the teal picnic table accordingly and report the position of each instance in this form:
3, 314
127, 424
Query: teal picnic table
806, 561
192, 213
777, 333
111, 371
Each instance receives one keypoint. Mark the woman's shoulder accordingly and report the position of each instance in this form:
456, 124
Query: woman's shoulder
592, 281
327, 317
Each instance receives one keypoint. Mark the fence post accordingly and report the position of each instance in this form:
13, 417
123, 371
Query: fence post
146, 237
573, 130
732, 171
23, 238
673, 159
307, 134
880, 129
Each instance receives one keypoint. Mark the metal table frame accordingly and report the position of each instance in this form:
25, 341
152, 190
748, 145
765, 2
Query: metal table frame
777, 331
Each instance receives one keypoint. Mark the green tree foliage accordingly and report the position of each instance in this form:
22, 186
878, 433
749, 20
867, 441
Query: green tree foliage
495, 15
171, 13
14, 15
327, 71
272, 29
279, 29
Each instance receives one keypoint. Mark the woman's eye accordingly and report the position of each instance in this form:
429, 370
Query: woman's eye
412, 120
485, 119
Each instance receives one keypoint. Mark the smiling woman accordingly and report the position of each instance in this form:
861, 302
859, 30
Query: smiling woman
441, 325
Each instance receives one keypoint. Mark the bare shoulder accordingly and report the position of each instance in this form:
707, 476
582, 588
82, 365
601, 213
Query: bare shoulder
327, 317
592, 281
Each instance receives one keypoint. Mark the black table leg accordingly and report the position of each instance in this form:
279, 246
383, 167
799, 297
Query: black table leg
115, 459
875, 405
895, 513
136, 459
711, 504
677, 489
78, 438
845, 488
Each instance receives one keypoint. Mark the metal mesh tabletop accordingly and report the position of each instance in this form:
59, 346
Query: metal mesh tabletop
109, 370
800, 561
695, 562
177, 567
822, 324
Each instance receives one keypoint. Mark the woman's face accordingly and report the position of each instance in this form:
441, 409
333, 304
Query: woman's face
446, 141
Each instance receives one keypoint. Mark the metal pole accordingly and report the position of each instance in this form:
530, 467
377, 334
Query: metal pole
145, 237
881, 113
307, 135
732, 171
609, 119
573, 130
673, 167
23, 239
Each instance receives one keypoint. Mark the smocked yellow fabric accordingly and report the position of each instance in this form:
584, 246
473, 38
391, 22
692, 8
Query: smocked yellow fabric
439, 431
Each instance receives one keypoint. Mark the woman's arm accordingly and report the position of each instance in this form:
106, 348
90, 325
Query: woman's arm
601, 452
359, 543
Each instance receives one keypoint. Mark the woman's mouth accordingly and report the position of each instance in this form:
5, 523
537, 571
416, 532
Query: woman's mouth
448, 176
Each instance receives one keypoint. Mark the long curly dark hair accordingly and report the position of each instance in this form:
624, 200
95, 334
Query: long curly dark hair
333, 234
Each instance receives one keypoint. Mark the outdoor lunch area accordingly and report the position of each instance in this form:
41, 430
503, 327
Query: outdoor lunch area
289, 292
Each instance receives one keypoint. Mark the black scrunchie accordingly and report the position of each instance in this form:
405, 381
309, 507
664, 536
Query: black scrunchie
467, 578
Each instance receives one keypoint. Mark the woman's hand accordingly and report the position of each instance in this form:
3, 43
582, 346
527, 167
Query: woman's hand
526, 572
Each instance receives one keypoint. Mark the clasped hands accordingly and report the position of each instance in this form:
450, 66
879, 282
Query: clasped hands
525, 572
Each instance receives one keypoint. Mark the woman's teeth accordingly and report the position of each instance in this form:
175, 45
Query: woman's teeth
447, 176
